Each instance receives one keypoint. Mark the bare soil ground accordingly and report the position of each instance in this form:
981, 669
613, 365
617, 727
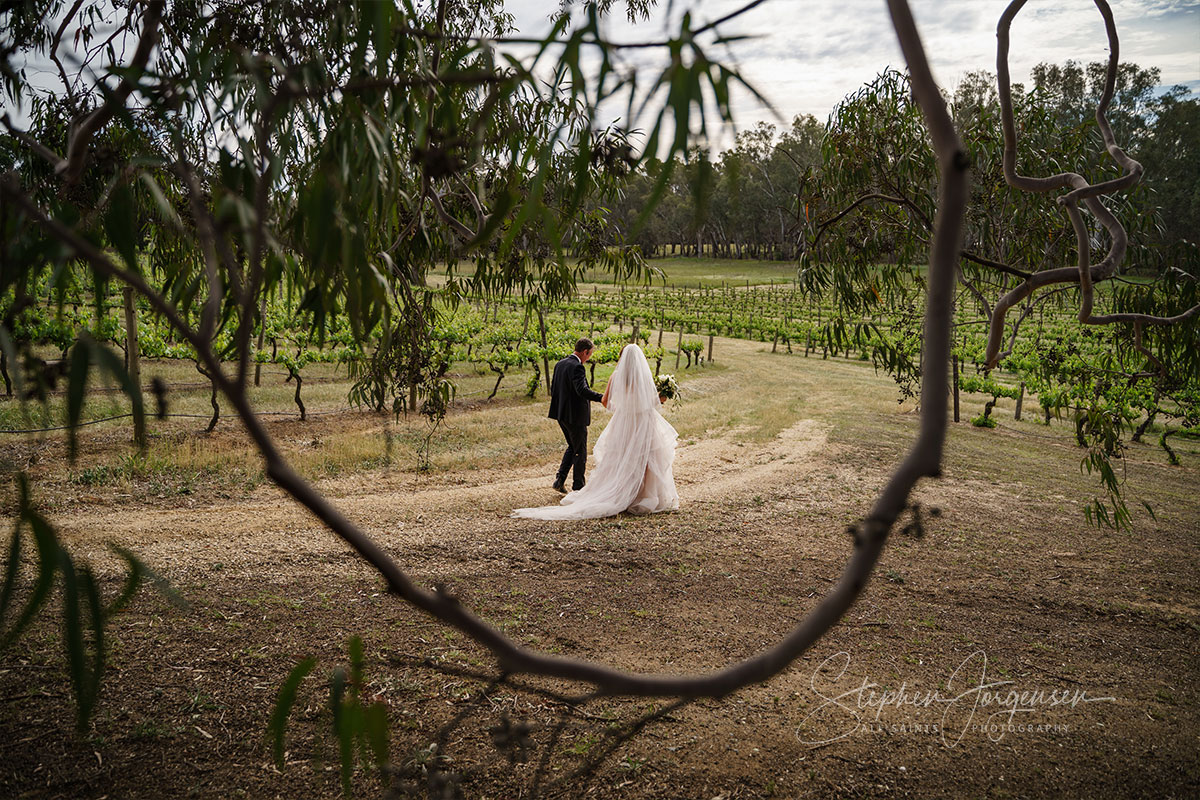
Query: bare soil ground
1009, 651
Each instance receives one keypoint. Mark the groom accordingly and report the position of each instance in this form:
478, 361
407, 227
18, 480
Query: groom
569, 404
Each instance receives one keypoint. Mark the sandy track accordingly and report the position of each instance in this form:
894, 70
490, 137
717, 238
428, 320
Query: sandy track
393, 505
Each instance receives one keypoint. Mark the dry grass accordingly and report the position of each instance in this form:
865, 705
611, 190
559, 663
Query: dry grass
747, 400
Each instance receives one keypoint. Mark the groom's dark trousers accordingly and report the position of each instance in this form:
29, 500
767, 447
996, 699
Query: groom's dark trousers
570, 404
575, 455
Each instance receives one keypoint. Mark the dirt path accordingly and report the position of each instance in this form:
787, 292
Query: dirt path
718, 465
402, 511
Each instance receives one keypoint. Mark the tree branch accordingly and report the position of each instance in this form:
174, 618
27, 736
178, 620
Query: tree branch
1137, 345
465, 233
996, 265
1084, 273
58, 34
78, 145
900, 201
1146, 319
1012, 340
481, 218
39, 149
974, 290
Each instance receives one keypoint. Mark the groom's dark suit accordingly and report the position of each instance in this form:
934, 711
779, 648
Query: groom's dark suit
570, 404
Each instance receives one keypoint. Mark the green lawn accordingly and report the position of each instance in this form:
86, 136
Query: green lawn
696, 272
681, 271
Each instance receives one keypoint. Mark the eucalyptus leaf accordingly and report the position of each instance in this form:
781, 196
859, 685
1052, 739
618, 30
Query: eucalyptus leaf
284, 702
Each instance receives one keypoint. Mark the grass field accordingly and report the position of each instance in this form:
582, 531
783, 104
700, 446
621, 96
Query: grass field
687, 272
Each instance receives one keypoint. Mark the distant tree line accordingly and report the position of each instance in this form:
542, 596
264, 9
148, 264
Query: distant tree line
764, 198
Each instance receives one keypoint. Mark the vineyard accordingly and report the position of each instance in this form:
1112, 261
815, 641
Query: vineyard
516, 336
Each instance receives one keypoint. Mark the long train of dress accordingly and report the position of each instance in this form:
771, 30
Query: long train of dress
633, 458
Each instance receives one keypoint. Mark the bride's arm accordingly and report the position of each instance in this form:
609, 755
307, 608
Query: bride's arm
604, 400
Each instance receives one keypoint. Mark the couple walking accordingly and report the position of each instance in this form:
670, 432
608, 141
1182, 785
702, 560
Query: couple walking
633, 454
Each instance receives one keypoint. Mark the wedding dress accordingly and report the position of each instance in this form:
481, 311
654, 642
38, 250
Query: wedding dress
633, 455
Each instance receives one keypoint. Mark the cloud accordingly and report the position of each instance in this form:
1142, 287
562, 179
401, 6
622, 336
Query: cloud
806, 55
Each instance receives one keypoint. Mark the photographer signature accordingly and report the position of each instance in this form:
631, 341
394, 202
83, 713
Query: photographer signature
970, 700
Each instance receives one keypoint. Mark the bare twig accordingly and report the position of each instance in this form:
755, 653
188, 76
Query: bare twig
974, 290
58, 34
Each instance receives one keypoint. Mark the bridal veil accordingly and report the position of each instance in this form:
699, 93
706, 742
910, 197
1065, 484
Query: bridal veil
633, 455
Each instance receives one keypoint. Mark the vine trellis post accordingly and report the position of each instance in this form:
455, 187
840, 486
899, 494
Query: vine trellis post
133, 362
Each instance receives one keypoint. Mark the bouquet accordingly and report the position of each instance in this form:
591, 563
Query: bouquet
667, 388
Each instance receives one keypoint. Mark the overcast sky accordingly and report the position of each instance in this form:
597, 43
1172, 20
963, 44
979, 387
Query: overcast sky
808, 54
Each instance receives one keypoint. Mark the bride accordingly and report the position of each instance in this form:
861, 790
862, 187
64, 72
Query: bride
633, 454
